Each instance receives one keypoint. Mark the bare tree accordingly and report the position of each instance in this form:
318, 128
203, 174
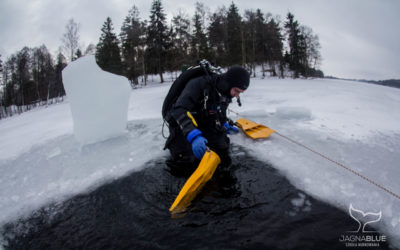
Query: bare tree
313, 46
70, 38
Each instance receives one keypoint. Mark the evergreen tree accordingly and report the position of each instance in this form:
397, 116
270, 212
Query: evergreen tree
180, 41
199, 42
263, 41
274, 40
296, 45
234, 36
203, 11
170, 56
61, 63
10, 82
132, 33
107, 51
78, 54
1, 71
157, 40
47, 90
250, 39
43, 73
304, 56
260, 37
23, 76
2, 110
218, 37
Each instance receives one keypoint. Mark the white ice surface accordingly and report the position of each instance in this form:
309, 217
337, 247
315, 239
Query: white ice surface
356, 124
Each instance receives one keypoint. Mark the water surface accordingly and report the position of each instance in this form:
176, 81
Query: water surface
251, 206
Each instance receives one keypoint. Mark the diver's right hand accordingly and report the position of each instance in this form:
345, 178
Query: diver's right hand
198, 143
199, 146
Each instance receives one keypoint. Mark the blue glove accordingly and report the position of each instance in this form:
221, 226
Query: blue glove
198, 143
230, 128
199, 146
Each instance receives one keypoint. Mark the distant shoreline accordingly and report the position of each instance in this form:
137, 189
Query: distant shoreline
390, 82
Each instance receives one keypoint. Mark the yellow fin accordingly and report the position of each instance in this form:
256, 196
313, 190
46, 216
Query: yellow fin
196, 181
254, 130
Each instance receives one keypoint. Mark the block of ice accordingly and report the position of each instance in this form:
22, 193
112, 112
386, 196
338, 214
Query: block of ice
98, 100
293, 113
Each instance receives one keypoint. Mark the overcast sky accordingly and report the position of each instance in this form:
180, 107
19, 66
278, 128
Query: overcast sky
359, 38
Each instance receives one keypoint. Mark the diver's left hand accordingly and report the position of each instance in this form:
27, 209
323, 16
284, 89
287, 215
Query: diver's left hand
231, 128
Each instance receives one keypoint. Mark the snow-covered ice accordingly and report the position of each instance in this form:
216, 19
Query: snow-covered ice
99, 100
356, 124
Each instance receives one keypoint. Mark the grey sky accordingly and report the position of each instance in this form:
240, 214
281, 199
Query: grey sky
359, 38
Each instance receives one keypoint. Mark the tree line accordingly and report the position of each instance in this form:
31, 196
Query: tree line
224, 37
33, 77
30, 78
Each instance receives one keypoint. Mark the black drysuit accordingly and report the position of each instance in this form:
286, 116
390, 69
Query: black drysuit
208, 108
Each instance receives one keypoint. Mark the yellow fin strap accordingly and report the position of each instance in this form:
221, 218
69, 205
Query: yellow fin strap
192, 118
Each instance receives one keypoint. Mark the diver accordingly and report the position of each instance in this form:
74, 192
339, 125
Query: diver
198, 118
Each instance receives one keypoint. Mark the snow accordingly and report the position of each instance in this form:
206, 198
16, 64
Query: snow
99, 100
20, 133
356, 124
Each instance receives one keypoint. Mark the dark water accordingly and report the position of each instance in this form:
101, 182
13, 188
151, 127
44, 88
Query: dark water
251, 207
